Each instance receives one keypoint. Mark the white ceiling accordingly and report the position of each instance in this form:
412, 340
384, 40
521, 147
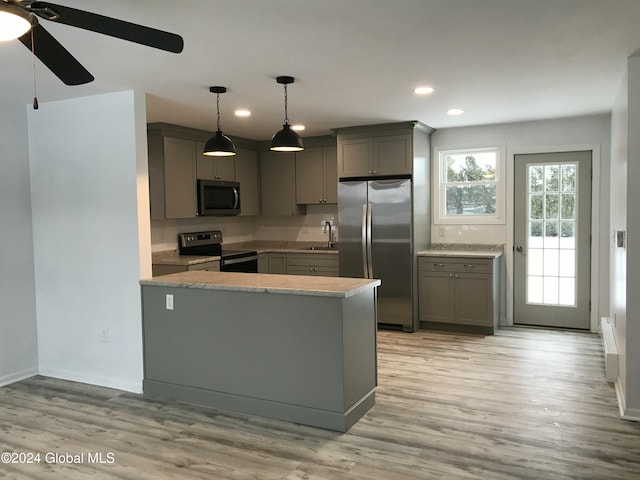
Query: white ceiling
355, 61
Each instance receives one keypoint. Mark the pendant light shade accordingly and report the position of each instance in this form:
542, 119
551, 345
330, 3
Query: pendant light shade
219, 145
286, 140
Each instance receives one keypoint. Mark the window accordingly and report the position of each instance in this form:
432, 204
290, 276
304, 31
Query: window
470, 186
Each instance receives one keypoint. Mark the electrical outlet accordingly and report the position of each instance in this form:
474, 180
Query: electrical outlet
169, 302
104, 335
327, 218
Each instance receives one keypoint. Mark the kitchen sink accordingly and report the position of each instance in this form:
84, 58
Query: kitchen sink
324, 247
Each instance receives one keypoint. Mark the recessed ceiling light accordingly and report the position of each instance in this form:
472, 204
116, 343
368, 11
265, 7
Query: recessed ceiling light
297, 128
455, 111
423, 90
242, 112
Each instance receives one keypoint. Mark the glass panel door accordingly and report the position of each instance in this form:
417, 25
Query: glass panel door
552, 239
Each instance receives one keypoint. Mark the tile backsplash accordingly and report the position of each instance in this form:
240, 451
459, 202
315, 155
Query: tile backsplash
301, 228
483, 234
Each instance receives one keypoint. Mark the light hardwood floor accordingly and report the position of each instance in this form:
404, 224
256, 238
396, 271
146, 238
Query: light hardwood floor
523, 404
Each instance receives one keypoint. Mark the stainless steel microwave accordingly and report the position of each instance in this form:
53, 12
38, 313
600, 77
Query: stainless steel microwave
218, 197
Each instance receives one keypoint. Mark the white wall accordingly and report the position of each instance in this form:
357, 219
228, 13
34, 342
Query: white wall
632, 407
18, 344
87, 159
618, 219
529, 137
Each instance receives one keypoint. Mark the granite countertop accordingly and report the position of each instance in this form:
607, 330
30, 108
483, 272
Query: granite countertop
462, 250
172, 257
265, 283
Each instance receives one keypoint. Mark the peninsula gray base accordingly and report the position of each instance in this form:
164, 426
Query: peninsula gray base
307, 358
340, 422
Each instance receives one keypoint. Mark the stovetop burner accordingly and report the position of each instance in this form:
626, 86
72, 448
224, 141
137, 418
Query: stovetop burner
209, 243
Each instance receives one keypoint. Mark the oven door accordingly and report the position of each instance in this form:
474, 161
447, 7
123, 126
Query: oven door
216, 197
243, 264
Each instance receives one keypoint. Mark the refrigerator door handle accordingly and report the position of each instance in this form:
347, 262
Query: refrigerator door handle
365, 243
369, 240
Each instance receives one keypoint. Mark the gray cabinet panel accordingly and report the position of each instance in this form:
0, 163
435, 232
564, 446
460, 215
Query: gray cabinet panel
278, 182
179, 178
247, 174
317, 175
278, 263
435, 297
308, 359
461, 292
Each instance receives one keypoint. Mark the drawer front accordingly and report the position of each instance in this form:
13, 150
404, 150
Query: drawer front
312, 260
457, 265
211, 266
314, 271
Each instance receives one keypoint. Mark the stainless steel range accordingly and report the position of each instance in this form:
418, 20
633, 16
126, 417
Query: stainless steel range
210, 243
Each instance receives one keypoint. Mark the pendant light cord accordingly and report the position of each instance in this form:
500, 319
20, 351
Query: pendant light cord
218, 108
286, 116
33, 64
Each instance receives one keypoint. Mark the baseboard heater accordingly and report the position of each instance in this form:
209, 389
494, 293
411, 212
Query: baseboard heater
610, 349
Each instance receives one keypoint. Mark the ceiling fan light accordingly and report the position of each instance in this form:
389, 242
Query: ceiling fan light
219, 146
14, 22
286, 140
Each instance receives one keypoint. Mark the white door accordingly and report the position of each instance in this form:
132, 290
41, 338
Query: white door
552, 239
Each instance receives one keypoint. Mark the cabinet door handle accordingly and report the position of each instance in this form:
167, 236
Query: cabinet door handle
469, 265
439, 265
456, 275
451, 274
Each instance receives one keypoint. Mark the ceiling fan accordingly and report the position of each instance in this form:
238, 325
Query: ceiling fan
53, 54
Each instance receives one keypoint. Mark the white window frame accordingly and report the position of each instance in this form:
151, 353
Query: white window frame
440, 216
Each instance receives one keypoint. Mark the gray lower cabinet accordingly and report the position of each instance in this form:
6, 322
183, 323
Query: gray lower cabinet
278, 263
263, 263
459, 293
162, 269
324, 265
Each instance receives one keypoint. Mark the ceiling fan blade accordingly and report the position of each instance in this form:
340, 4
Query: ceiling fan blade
113, 27
56, 57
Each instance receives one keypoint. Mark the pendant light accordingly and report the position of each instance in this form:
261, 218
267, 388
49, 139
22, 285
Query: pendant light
219, 145
286, 140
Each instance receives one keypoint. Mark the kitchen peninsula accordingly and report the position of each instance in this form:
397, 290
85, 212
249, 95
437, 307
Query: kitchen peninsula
291, 347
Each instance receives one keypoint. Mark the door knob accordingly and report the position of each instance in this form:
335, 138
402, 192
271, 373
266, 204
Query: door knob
519, 249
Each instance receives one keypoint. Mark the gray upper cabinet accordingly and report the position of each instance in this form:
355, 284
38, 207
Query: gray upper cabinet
375, 150
172, 177
278, 182
316, 175
247, 174
176, 162
214, 168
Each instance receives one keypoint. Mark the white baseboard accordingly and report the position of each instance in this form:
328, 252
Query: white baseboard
632, 414
17, 376
610, 349
116, 383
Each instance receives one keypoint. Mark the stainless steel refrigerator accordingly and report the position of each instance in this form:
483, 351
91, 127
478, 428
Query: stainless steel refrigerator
375, 230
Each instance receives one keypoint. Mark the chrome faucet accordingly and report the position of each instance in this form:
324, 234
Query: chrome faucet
331, 239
